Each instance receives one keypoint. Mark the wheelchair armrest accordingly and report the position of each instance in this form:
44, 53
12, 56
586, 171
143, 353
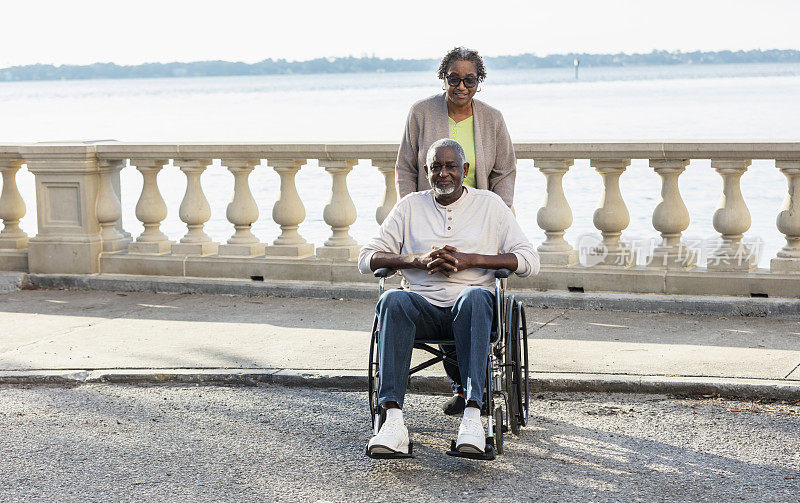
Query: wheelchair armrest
502, 273
384, 272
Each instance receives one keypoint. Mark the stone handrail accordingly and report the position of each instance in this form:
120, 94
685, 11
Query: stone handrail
80, 228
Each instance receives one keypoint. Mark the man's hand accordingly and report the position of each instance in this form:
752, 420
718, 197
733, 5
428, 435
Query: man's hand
446, 260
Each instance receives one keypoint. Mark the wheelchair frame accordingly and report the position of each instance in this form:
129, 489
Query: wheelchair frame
507, 378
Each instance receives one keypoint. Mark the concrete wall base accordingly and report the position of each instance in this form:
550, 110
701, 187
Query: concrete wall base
14, 260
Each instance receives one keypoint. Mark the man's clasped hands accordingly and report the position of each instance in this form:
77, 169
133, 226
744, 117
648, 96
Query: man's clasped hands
445, 260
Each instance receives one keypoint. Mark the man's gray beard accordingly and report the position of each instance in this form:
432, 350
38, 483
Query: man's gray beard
444, 192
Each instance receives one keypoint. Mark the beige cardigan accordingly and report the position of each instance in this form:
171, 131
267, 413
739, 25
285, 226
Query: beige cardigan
494, 153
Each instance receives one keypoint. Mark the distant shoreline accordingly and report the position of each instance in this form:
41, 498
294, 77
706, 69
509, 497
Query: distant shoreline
40, 72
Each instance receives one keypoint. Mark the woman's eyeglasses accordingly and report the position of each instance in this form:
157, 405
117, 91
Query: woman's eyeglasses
469, 82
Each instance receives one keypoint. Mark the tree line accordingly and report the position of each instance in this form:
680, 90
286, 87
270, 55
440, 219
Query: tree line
372, 64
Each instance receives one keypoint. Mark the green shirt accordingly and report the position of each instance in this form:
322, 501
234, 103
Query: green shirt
464, 133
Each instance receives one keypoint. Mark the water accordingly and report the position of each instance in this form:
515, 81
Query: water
748, 102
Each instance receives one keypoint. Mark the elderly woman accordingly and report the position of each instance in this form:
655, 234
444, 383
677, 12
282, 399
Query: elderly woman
477, 127
481, 132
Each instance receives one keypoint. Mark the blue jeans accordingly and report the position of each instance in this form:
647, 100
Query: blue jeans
405, 317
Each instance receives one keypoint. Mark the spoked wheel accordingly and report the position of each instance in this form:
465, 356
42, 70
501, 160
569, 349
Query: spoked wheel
498, 429
525, 395
373, 373
512, 370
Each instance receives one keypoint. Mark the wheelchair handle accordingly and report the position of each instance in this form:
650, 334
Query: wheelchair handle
502, 273
384, 272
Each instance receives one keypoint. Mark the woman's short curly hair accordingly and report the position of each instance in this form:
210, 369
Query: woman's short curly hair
462, 54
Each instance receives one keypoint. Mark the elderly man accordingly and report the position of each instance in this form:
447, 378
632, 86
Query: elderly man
445, 242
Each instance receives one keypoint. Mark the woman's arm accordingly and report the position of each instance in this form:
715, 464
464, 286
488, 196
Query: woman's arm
504, 172
406, 170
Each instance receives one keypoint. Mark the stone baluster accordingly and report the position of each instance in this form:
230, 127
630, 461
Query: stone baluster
12, 208
115, 182
150, 210
386, 168
340, 214
289, 212
109, 209
731, 220
555, 215
194, 211
611, 217
242, 212
670, 218
788, 221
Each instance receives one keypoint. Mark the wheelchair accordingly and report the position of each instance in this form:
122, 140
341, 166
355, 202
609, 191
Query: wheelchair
507, 380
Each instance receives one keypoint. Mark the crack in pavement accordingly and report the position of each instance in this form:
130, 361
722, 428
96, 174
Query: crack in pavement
792, 371
539, 327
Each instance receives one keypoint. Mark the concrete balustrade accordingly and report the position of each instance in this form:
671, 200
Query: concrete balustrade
289, 213
150, 210
731, 220
555, 215
788, 221
339, 213
242, 212
612, 217
109, 208
13, 240
194, 211
80, 229
386, 168
671, 218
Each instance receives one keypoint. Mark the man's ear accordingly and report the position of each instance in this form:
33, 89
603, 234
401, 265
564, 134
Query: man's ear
466, 169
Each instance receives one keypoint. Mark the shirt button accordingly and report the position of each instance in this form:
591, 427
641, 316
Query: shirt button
449, 218
449, 210
448, 228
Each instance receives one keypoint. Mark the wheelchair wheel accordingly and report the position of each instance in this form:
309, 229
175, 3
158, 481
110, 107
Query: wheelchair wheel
517, 368
525, 388
498, 429
373, 375
511, 364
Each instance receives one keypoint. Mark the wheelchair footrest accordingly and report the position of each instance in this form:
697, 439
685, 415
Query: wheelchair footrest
393, 455
487, 455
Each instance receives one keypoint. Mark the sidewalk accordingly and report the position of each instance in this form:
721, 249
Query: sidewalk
79, 336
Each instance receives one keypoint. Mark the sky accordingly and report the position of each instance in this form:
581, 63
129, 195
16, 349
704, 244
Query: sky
134, 32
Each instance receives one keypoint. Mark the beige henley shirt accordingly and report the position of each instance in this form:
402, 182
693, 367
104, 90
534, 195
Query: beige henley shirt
479, 222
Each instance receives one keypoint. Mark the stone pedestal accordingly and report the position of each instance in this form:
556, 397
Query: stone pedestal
67, 184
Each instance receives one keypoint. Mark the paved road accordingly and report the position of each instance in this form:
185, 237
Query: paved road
166, 443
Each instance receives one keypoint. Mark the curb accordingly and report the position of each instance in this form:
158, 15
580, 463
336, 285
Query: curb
357, 381
644, 303
12, 281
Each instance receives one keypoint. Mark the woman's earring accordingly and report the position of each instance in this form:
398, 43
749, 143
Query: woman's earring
479, 89
444, 88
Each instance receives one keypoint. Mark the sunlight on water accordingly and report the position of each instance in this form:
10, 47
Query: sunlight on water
757, 101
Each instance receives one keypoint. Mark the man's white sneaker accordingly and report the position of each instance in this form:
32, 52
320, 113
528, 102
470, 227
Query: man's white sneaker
471, 437
391, 438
